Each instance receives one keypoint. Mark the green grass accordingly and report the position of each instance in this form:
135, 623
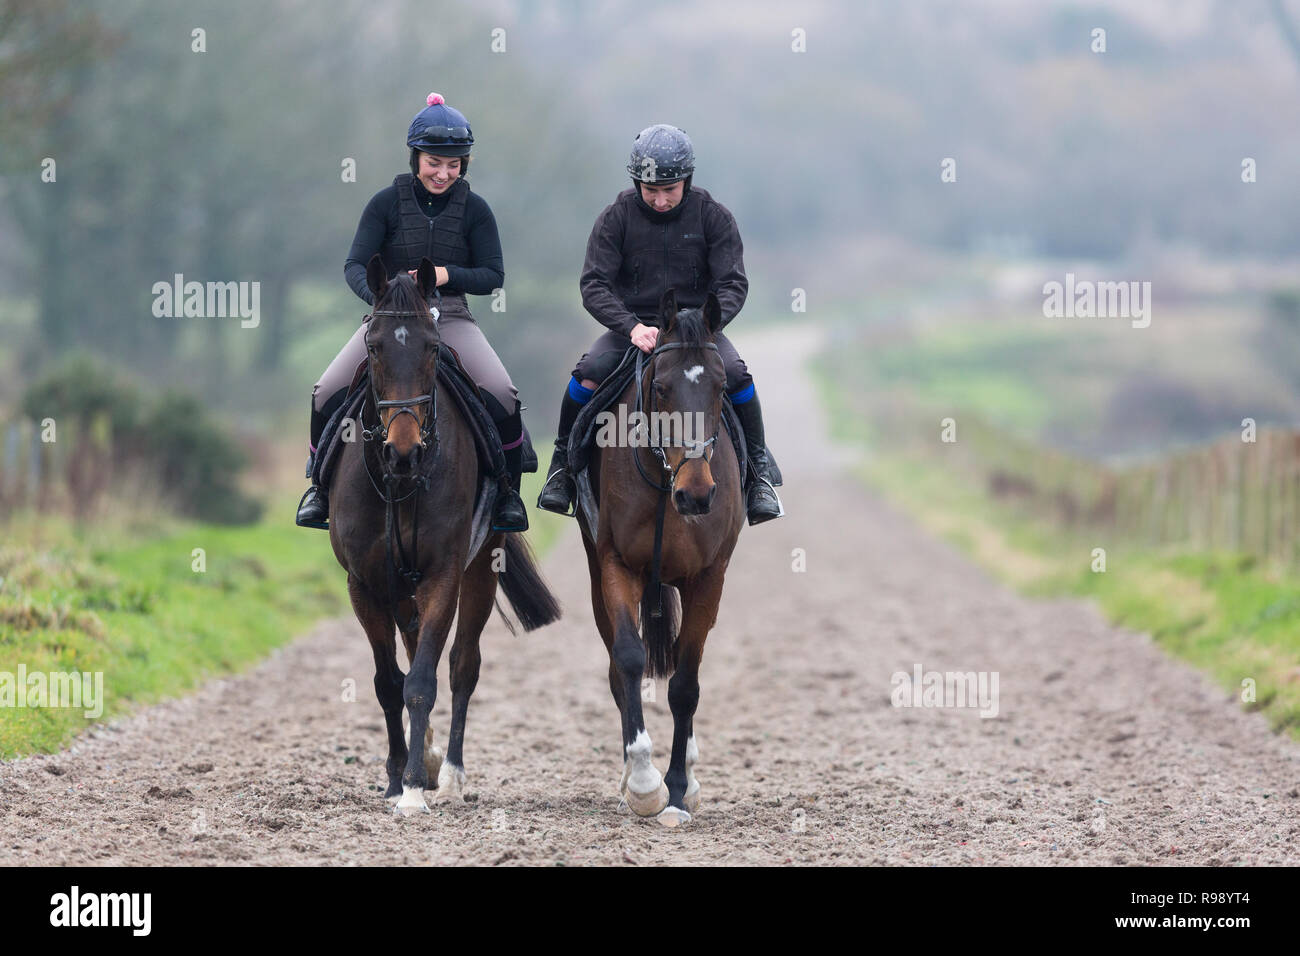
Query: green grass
134, 608
1229, 615
139, 612
1098, 385
544, 528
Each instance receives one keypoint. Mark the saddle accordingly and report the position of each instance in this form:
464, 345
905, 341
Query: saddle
463, 391
582, 438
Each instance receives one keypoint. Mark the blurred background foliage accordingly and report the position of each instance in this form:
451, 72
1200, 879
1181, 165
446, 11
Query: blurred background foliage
226, 165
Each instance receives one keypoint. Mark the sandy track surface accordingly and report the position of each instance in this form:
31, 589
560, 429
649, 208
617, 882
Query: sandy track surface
1103, 750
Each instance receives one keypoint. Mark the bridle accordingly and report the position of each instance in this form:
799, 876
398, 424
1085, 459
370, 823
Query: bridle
399, 564
696, 448
404, 406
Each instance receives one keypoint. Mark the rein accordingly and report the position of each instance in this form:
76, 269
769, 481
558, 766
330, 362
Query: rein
700, 448
398, 563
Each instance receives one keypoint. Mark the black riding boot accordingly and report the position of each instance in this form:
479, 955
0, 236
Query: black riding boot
509, 513
560, 493
314, 507
761, 502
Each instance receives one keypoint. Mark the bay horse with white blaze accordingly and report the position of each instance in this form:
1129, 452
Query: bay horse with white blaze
401, 511
632, 483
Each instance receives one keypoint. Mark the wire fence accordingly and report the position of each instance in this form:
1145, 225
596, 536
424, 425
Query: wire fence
1241, 493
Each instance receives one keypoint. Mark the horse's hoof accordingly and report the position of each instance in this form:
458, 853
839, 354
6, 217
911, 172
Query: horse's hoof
411, 802
673, 817
647, 804
691, 799
451, 785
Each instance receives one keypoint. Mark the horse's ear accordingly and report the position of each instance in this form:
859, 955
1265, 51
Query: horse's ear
713, 314
668, 310
426, 278
377, 276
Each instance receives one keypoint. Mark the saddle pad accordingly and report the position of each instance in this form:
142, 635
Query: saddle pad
470, 399
463, 391
582, 439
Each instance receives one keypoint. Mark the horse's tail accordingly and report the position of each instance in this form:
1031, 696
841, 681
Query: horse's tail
660, 633
529, 597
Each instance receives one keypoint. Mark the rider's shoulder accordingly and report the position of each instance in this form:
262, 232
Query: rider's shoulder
386, 197
475, 204
622, 201
708, 203
618, 209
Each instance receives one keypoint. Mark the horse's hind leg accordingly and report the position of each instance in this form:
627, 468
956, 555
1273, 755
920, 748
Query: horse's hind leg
700, 600
605, 628
436, 598
379, 627
477, 590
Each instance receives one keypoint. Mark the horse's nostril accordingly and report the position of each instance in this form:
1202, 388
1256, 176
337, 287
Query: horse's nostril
397, 459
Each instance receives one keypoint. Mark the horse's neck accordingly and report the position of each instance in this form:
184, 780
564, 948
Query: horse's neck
649, 461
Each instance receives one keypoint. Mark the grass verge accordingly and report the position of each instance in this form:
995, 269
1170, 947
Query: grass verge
1234, 617
139, 605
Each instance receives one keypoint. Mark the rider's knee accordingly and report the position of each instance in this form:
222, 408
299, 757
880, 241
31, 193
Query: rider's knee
738, 377
579, 392
499, 410
740, 392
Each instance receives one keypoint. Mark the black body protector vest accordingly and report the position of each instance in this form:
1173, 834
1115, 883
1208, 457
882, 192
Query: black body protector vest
442, 239
669, 254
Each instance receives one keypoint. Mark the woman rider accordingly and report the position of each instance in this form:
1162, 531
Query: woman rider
432, 212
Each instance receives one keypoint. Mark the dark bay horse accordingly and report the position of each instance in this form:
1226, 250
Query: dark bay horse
633, 484
405, 494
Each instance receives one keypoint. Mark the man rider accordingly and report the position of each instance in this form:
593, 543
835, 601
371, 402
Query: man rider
661, 233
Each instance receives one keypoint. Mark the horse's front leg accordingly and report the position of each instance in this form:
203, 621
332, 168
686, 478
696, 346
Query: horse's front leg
378, 625
642, 783
700, 599
436, 596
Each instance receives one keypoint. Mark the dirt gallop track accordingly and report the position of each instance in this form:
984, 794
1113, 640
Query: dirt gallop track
1103, 750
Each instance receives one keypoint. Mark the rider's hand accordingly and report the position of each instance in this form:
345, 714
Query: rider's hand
440, 276
644, 337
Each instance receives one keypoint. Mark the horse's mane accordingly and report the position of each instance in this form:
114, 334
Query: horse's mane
691, 329
403, 296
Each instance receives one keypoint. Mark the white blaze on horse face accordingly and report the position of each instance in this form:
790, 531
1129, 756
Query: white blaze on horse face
400, 335
693, 373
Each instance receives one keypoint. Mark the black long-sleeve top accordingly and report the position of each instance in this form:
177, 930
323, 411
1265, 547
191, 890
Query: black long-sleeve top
634, 254
485, 270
